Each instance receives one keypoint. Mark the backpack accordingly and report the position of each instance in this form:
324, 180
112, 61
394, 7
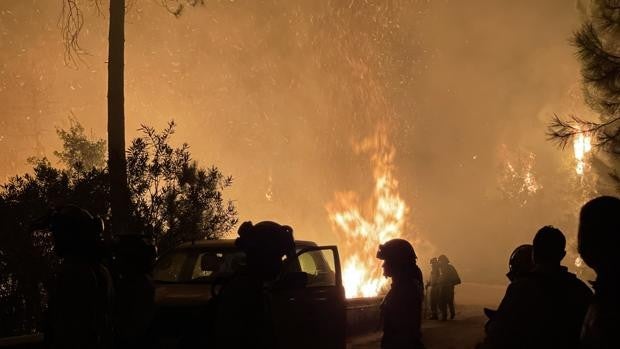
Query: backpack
453, 276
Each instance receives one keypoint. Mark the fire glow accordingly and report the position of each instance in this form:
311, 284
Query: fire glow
581, 147
363, 230
518, 180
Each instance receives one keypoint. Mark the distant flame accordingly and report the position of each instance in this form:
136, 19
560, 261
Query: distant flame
581, 146
362, 233
518, 180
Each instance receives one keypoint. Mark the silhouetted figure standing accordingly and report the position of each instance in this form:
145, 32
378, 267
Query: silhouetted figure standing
544, 309
448, 278
242, 315
135, 291
433, 284
599, 240
520, 265
80, 303
401, 310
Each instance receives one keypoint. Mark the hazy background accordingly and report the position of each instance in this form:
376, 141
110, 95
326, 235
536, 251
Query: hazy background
275, 92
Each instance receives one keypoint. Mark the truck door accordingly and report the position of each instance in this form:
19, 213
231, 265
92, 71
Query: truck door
308, 302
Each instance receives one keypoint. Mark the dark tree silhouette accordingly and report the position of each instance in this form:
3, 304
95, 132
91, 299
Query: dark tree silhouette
598, 51
172, 200
78, 152
71, 25
117, 164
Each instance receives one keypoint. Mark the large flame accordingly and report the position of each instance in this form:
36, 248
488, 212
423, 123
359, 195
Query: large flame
362, 231
581, 147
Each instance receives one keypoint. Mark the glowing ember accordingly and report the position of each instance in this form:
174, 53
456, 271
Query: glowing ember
362, 233
579, 262
269, 192
581, 146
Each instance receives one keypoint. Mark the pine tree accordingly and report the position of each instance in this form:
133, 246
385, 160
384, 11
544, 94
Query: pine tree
598, 49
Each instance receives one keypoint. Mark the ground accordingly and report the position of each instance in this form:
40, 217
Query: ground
464, 332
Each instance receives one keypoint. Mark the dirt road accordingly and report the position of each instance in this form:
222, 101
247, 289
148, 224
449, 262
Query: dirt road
462, 333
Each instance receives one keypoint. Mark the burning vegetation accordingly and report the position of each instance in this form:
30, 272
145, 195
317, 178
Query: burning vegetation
362, 226
581, 147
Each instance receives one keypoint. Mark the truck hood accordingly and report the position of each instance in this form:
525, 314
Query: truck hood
182, 294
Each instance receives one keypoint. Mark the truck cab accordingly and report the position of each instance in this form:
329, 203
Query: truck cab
307, 300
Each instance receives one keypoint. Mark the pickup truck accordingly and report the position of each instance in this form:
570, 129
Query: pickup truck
310, 314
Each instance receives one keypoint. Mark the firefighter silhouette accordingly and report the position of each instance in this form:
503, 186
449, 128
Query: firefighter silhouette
80, 302
401, 310
448, 278
598, 244
546, 307
242, 315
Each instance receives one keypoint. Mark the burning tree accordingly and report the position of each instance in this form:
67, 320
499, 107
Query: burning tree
362, 230
599, 53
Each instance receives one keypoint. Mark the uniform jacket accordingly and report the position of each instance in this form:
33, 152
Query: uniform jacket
449, 276
543, 310
401, 312
80, 307
601, 328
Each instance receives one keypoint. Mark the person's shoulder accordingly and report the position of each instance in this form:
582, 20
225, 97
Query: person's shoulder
566, 282
527, 279
578, 284
527, 283
406, 292
407, 286
77, 279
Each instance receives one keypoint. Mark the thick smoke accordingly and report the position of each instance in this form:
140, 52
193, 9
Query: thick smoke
275, 92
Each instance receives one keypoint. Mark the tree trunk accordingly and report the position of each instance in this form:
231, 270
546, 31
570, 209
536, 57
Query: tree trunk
117, 164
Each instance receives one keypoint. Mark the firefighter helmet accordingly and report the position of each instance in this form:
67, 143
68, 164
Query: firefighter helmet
520, 261
443, 259
75, 231
266, 237
397, 250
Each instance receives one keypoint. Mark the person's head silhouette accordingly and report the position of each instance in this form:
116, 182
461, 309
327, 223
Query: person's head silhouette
76, 233
399, 257
599, 234
549, 246
265, 245
520, 262
434, 263
443, 260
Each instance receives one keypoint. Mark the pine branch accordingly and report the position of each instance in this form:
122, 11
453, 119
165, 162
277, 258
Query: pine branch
597, 62
608, 17
176, 7
562, 131
71, 23
600, 104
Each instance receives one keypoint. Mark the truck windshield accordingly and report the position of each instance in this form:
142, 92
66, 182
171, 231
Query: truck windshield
193, 265
204, 265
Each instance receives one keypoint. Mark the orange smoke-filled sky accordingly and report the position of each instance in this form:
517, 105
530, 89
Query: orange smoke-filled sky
276, 92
